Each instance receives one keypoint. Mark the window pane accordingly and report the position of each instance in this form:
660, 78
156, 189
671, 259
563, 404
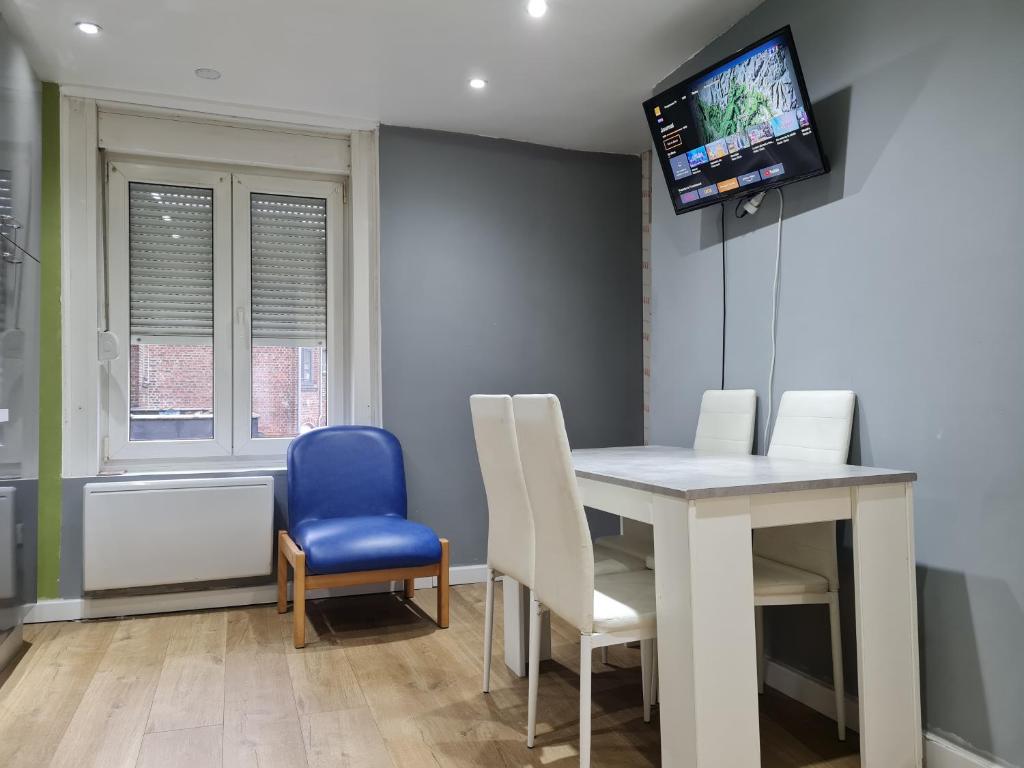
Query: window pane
285, 401
171, 392
171, 312
289, 314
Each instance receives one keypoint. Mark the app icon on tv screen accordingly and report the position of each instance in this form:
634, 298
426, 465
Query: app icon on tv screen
697, 156
717, 149
784, 123
680, 167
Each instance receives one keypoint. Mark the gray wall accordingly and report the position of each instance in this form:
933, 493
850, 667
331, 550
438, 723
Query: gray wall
506, 267
502, 263
901, 279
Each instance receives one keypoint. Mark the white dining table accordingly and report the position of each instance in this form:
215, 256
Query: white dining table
703, 507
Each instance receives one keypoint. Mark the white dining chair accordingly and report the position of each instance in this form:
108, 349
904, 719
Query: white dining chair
725, 424
510, 539
606, 610
798, 565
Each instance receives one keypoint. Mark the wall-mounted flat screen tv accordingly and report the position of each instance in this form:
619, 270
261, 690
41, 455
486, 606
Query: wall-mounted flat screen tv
738, 128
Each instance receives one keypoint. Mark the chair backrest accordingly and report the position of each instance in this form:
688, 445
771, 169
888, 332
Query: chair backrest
563, 553
510, 529
345, 471
811, 426
814, 426
726, 421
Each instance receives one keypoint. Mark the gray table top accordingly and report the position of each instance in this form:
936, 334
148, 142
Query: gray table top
690, 474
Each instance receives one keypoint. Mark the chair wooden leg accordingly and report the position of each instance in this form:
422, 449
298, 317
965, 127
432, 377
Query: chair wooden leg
837, 665
410, 589
488, 629
586, 660
442, 586
299, 598
282, 575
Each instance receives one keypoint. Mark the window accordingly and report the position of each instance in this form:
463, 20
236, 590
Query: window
221, 291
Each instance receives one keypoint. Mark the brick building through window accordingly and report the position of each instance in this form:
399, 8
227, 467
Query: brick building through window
172, 391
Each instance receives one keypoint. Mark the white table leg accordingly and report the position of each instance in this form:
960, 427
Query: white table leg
886, 602
707, 667
516, 600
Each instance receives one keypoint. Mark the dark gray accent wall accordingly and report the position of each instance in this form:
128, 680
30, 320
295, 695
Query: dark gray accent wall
902, 274
505, 268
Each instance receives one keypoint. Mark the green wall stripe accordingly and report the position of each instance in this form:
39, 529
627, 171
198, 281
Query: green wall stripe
50, 408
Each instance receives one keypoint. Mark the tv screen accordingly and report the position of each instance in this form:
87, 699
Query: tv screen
737, 128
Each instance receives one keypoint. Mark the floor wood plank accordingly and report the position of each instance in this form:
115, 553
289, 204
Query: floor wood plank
261, 722
185, 748
42, 695
107, 729
190, 692
344, 739
324, 682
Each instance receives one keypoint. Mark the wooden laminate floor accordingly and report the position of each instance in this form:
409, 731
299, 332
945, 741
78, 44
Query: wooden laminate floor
378, 685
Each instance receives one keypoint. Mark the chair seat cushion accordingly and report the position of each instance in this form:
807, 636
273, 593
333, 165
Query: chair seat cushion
371, 543
627, 545
774, 578
624, 601
608, 560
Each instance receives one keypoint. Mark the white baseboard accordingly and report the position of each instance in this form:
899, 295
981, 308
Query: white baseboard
60, 609
809, 692
467, 574
939, 752
138, 605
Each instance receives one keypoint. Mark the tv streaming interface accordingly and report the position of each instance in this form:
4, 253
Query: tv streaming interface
736, 129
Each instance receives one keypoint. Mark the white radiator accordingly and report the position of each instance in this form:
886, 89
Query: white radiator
153, 532
8, 546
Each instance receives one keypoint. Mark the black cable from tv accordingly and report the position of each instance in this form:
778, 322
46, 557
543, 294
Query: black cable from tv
723, 296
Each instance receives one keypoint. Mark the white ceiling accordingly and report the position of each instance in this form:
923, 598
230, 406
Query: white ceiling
575, 78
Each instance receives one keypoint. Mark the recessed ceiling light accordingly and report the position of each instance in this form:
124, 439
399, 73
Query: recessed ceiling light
88, 27
205, 73
478, 83
537, 8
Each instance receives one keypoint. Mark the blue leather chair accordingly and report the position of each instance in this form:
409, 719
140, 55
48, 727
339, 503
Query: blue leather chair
347, 520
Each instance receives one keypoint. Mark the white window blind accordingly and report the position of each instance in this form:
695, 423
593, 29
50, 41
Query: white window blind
6, 198
289, 269
7, 250
170, 256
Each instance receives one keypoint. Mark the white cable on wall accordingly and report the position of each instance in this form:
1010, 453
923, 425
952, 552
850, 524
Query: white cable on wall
775, 317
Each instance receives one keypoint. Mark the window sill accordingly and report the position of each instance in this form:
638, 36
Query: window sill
190, 467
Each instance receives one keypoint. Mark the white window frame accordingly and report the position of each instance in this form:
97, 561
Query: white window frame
244, 185
148, 128
119, 178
